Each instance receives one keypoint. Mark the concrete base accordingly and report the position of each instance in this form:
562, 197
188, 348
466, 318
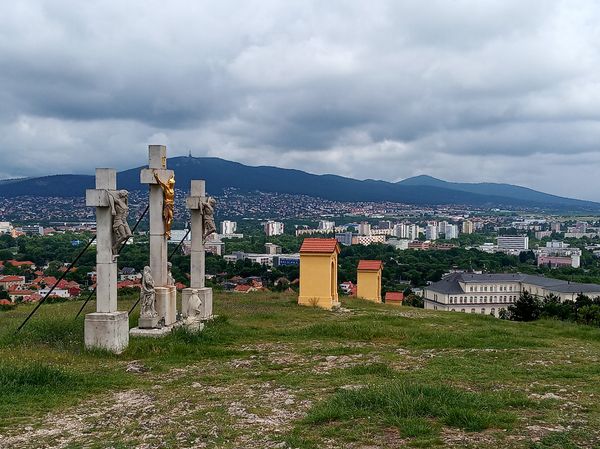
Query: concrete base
206, 295
154, 333
107, 330
148, 323
194, 326
323, 303
166, 304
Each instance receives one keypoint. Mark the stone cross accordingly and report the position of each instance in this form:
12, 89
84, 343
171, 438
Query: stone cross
107, 328
158, 241
166, 295
106, 266
197, 257
197, 260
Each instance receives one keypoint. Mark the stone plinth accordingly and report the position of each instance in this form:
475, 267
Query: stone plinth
107, 330
148, 323
153, 333
166, 304
205, 295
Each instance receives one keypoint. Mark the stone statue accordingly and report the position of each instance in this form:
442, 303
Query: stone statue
208, 218
193, 314
147, 296
170, 278
168, 189
119, 206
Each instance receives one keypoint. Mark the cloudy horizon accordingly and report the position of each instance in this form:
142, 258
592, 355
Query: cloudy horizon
466, 91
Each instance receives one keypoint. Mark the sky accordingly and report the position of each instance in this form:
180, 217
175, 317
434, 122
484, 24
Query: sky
470, 91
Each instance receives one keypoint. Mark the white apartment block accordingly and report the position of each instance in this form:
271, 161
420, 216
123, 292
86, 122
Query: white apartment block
513, 243
364, 228
490, 293
451, 232
431, 232
468, 227
325, 225
382, 231
273, 228
5, 227
228, 227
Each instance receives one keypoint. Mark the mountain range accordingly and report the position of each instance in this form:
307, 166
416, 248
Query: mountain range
221, 174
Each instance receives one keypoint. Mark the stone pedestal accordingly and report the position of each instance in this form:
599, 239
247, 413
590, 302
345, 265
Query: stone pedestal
166, 304
205, 294
107, 330
154, 333
148, 323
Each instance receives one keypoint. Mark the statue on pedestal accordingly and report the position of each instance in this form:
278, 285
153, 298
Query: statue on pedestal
147, 298
193, 314
168, 189
170, 278
208, 217
119, 206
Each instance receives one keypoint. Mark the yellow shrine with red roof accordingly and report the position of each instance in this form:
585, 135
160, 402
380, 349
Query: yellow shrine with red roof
318, 273
368, 277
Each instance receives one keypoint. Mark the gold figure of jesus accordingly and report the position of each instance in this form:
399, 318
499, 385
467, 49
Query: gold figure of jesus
168, 189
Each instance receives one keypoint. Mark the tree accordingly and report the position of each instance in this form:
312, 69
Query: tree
526, 308
413, 301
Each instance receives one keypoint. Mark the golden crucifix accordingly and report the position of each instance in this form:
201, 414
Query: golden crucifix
168, 189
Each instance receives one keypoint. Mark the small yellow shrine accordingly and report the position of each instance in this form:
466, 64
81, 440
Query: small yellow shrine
368, 285
318, 273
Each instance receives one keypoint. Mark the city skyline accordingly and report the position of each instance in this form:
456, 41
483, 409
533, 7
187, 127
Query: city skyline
477, 92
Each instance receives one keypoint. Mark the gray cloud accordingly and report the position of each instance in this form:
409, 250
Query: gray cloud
502, 91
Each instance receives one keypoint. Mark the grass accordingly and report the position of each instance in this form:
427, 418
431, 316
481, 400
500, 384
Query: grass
268, 371
410, 405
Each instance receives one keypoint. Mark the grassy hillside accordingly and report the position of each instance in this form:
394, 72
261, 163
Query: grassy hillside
269, 374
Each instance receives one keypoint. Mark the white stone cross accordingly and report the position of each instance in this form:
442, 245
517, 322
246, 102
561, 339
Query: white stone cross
106, 266
197, 259
107, 328
158, 241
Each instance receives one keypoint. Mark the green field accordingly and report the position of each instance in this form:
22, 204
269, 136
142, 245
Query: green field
269, 374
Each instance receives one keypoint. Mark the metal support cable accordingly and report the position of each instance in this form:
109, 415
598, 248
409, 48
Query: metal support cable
71, 265
118, 252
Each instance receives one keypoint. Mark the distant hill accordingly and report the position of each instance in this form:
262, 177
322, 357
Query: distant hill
494, 189
220, 174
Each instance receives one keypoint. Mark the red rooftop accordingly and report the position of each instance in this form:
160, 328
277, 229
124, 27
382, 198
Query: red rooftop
313, 245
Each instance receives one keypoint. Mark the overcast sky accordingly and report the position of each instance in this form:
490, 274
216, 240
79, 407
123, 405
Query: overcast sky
502, 91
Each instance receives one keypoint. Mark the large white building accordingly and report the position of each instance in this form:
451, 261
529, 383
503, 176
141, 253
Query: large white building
5, 227
178, 235
468, 227
364, 228
273, 228
558, 254
490, 293
431, 232
451, 232
228, 227
326, 225
513, 243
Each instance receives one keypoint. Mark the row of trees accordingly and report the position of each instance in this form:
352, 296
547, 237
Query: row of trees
528, 307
